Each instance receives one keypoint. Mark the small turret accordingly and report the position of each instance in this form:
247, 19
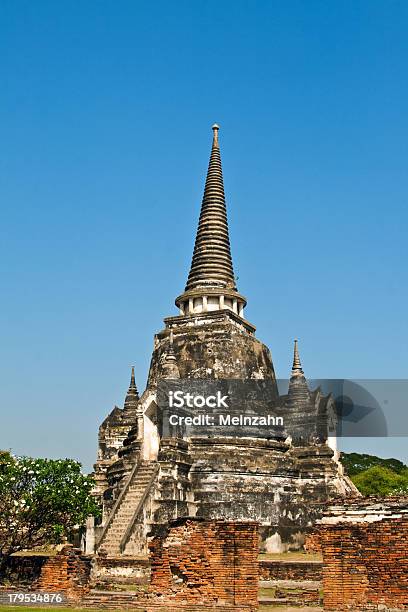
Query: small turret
298, 394
132, 396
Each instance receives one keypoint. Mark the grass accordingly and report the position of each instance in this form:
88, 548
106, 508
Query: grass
267, 592
45, 551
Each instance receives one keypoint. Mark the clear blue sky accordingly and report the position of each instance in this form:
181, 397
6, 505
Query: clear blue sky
105, 114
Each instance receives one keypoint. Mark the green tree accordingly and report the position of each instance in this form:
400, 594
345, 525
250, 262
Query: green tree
355, 463
41, 501
381, 481
4, 456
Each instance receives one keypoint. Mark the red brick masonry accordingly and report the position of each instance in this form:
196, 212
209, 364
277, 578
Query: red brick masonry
365, 555
65, 573
206, 562
313, 543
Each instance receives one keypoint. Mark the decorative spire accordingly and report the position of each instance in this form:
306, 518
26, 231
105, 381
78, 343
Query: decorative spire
211, 265
132, 396
211, 283
297, 366
298, 393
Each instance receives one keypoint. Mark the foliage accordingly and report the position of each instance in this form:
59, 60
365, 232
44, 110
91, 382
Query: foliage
4, 456
381, 481
355, 463
376, 476
41, 501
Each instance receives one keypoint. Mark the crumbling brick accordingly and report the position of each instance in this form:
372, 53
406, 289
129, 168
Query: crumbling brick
206, 562
365, 556
67, 572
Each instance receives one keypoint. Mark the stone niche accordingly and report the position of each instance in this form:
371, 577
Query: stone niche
365, 560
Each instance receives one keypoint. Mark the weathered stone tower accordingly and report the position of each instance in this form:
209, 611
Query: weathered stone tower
145, 479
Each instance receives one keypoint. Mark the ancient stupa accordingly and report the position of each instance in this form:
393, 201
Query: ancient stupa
145, 479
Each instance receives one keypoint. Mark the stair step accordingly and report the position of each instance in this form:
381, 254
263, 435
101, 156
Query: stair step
131, 499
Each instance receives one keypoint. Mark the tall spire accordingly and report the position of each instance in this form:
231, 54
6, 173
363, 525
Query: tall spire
211, 282
297, 366
211, 265
132, 396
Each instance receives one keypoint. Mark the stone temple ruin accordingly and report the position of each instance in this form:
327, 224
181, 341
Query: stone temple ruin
146, 479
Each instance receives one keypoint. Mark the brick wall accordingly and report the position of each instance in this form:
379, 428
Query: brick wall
206, 562
313, 543
23, 570
67, 572
365, 560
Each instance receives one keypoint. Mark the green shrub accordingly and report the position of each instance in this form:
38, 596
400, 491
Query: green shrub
381, 481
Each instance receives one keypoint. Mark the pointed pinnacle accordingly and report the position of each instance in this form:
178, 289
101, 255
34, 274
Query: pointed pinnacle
297, 366
132, 395
215, 128
211, 265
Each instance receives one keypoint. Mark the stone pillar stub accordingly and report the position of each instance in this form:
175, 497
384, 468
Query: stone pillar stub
90, 536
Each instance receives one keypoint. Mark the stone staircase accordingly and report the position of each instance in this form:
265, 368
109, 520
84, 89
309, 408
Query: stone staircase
127, 508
